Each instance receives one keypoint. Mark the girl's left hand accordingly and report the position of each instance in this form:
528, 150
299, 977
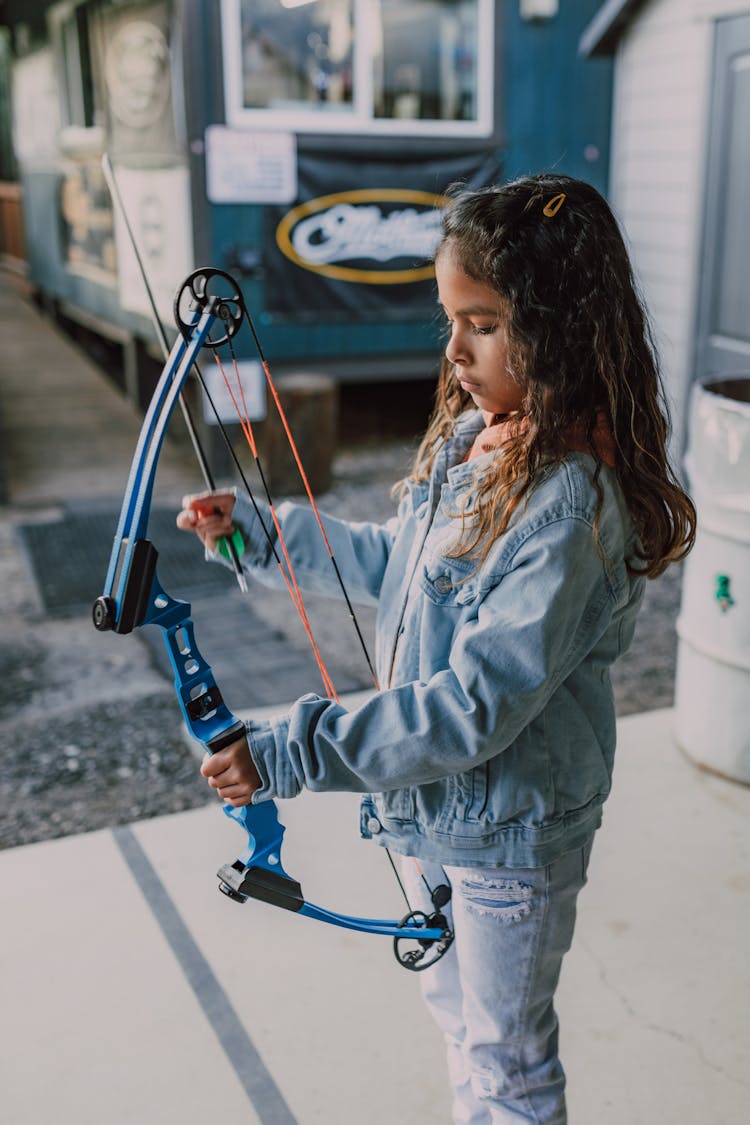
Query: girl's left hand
209, 515
232, 773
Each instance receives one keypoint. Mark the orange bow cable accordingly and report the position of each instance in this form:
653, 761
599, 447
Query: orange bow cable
311, 498
290, 578
244, 418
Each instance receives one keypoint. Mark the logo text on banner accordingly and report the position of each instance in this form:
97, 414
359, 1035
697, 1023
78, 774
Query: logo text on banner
372, 229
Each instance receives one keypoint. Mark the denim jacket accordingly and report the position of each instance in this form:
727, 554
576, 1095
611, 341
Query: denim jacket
492, 741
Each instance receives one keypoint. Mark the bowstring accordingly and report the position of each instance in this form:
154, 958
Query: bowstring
325, 676
303, 476
249, 437
243, 415
329, 687
288, 575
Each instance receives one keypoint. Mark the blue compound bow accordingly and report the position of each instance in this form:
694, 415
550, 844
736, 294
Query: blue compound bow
133, 597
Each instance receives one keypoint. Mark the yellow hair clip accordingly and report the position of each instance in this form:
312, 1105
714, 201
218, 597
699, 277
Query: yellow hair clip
554, 205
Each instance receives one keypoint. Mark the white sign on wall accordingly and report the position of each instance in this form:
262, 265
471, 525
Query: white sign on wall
250, 374
250, 167
157, 203
36, 112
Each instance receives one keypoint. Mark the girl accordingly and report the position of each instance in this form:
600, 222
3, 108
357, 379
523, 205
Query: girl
540, 500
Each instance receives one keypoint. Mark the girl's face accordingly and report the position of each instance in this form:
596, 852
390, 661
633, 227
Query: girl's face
478, 344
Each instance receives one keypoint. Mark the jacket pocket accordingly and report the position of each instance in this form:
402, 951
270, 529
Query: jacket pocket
455, 805
469, 794
448, 582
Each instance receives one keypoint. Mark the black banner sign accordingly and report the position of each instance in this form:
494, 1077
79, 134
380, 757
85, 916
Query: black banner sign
358, 241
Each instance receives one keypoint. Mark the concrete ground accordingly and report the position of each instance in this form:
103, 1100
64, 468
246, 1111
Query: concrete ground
133, 992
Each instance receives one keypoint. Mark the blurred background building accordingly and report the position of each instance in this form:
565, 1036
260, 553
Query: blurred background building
303, 146
680, 175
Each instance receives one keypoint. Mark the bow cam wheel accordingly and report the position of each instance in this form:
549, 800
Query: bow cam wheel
418, 953
211, 290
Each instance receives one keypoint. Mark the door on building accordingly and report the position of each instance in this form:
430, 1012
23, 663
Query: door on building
724, 301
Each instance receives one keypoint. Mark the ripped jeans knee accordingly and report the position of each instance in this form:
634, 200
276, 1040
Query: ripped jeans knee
493, 993
491, 896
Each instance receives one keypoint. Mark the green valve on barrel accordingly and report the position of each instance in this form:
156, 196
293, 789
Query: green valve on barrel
723, 594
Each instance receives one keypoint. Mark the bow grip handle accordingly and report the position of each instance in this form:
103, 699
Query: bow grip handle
219, 741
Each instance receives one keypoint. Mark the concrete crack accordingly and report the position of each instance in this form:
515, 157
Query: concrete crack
659, 1029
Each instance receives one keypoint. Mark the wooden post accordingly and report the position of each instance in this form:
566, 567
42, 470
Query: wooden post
12, 242
310, 403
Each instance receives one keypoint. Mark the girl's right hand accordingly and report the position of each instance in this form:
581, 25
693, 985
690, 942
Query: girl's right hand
209, 515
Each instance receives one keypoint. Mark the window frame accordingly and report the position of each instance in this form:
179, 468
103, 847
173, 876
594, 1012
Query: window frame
360, 120
68, 24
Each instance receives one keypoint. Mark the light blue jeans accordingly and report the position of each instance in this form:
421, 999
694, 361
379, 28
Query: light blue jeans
492, 993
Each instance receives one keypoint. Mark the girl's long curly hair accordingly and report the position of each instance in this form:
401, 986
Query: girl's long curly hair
580, 346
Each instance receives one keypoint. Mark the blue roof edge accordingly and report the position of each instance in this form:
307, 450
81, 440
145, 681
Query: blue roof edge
603, 32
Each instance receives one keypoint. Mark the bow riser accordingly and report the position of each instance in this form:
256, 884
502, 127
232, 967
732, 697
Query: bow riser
206, 715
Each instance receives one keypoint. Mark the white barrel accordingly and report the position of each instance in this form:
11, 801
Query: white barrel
712, 688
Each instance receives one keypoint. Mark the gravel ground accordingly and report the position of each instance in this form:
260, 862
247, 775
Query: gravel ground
89, 729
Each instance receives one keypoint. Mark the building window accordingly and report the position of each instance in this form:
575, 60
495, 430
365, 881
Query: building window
70, 31
409, 67
297, 57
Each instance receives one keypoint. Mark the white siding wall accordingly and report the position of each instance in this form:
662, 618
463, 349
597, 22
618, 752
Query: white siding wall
661, 105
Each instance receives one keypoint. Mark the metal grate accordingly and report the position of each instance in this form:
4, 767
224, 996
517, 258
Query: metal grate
254, 663
69, 558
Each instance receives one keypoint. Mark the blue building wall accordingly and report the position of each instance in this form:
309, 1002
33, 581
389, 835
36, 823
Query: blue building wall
558, 104
552, 112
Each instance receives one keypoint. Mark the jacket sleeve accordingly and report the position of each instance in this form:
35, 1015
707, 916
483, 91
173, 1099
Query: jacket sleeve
529, 631
361, 550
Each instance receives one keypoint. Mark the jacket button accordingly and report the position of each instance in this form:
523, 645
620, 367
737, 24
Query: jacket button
374, 825
443, 584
